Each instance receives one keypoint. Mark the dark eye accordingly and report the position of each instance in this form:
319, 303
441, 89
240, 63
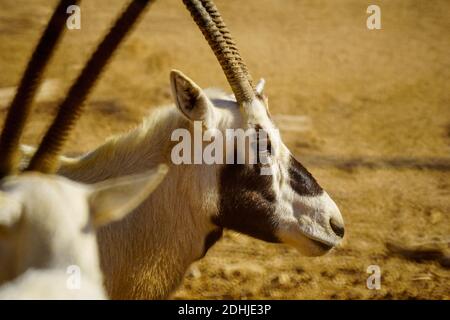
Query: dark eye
264, 145
269, 145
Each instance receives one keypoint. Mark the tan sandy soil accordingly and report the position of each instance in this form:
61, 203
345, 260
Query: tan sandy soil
379, 104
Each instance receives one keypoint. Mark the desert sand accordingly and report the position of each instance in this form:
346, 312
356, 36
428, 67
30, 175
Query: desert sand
378, 103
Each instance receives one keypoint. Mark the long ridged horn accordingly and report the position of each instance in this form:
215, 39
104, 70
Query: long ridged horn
217, 18
45, 158
20, 107
209, 21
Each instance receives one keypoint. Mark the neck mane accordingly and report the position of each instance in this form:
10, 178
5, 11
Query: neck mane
146, 254
135, 151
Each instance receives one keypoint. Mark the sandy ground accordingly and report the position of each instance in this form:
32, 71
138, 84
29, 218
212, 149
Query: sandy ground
379, 104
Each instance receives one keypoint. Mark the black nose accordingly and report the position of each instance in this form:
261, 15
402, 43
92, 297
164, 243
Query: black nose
337, 228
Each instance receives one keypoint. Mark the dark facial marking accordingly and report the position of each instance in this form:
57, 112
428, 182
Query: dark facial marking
247, 202
261, 132
302, 181
211, 239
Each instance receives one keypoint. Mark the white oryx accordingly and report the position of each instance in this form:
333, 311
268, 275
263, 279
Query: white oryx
47, 222
147, 254
47, 225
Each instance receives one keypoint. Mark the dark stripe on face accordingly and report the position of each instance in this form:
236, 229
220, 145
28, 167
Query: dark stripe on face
259, 147
211, 239
247, 202
302, 181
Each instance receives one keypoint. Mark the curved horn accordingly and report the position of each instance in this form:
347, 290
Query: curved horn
71, 108
208, 19
214, 13
20, 107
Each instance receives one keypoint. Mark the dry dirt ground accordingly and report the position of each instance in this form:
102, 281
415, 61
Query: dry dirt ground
379, 104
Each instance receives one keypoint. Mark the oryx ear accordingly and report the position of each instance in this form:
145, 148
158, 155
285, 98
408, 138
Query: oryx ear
260, 86
113, 199
260, 91
191, 100
10, 213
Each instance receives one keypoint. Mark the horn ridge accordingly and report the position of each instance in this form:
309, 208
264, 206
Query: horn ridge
20, 107
219, 41
213, 11
71, 108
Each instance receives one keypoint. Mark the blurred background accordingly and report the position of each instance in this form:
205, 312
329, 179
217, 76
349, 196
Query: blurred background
377, 105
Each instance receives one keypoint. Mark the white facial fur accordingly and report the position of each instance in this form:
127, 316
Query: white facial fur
302, 217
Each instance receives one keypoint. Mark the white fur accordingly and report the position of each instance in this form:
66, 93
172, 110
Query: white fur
47, 224
49, 285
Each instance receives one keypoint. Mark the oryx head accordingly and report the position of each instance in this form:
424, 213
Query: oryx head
282, 204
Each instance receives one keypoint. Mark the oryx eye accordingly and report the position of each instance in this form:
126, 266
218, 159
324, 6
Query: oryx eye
263, 140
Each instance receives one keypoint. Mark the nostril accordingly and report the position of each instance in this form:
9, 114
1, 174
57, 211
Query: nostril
337, 228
